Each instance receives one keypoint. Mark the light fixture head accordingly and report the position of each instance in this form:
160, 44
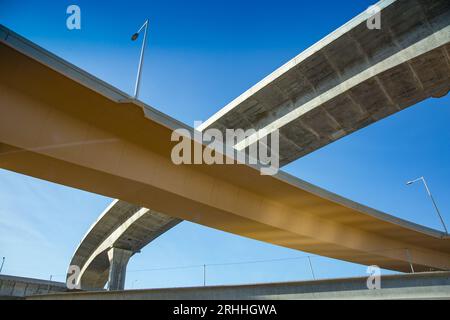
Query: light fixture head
134, 36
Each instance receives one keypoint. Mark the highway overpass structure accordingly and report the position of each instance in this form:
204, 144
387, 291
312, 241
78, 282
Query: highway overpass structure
350, 79
78, 131
122, 230
423, 286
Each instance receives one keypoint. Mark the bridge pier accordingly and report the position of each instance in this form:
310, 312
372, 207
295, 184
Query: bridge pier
118, 259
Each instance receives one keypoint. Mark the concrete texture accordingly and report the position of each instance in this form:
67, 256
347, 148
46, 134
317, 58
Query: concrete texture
412, 286
349, 80
18, 287
121, 226
75, 132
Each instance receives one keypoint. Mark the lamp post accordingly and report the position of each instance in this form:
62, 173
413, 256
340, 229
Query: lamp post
141, 59
432, 199
3, 262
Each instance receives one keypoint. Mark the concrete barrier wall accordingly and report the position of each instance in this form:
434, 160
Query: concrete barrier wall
402, 286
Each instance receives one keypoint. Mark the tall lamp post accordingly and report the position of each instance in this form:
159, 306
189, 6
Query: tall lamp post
3, 262
141, 59
432, 199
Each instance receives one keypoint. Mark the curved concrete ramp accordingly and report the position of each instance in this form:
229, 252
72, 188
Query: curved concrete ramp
122, 226
348, 80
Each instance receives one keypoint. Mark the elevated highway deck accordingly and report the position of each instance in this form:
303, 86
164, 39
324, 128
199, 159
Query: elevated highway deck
351, 79
63, 125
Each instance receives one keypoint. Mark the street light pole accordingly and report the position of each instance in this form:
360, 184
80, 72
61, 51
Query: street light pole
432, 199
3, 262
141, 59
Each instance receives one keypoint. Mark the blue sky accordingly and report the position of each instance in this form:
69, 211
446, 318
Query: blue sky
201, 55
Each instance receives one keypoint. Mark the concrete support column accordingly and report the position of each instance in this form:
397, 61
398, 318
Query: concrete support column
118, 259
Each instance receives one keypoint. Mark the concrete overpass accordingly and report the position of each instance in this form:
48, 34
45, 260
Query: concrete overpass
406, 287
79, 131
121, 230
350, 79
18, 287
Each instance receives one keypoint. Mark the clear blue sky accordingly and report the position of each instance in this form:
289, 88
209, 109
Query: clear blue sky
201, 55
